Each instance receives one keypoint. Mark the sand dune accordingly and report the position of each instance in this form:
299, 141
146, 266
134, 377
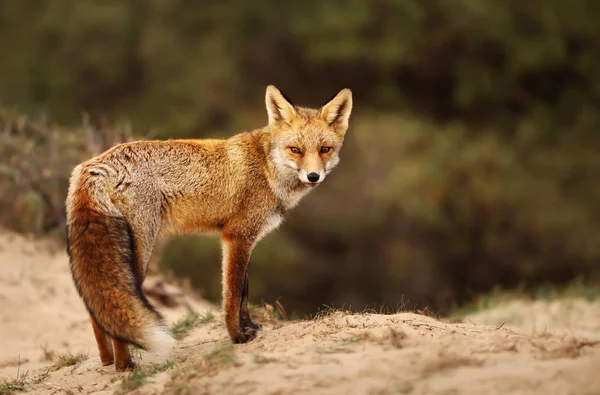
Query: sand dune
521, 347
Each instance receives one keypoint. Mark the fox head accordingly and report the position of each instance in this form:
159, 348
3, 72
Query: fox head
306, 142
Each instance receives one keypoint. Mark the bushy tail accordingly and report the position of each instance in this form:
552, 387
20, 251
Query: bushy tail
103, 264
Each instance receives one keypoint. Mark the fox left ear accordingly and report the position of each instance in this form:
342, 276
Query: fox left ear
337, 111
279, 107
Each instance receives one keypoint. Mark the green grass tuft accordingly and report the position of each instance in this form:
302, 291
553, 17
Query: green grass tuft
261, 359
181, 328
19, 383
68, 359
10, 386
139, 376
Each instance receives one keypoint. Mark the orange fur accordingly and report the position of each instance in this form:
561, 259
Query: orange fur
121, 201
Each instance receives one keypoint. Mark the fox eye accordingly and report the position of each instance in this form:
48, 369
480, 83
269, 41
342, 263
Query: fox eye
325, 150
295, 150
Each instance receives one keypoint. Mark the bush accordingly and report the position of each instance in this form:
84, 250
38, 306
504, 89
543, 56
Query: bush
38, 157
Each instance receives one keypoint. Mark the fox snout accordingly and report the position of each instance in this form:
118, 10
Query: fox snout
313, 177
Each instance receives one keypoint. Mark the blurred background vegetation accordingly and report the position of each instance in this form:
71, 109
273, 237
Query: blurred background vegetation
472, 160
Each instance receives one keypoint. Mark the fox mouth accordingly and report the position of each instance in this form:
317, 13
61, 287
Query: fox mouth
311, 184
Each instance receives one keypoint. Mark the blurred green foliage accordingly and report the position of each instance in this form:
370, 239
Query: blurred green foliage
37, 159
181, 67
472, 159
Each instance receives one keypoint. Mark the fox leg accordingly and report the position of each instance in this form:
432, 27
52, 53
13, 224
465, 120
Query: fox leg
123, 359
245, 320
236, 254
120, 356
105, 347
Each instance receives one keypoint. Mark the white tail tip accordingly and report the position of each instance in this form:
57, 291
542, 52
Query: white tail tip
160, 340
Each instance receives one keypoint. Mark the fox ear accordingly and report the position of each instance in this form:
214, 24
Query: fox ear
337, 111
279, 107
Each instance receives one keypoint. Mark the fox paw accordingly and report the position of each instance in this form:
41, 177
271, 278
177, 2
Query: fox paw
247, 334
107, 362
125, 366
248, 323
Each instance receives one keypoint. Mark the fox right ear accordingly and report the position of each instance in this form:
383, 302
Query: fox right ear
279, 108
337, 111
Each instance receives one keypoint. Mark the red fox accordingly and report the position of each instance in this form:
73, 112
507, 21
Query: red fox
121, 201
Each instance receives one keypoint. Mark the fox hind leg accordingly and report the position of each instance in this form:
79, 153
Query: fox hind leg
245, 320
119, 355
123, 359
105, 347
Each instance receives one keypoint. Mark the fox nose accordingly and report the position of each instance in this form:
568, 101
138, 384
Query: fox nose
313, 177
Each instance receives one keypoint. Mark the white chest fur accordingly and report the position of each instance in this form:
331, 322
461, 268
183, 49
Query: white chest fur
292, 198
270, 225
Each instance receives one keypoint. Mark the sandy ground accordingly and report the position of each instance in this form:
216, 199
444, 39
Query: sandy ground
518, 348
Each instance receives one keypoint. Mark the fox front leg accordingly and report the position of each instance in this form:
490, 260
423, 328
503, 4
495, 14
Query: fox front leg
236, 254
245, 320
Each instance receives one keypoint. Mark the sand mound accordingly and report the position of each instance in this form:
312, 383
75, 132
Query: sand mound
522, 347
